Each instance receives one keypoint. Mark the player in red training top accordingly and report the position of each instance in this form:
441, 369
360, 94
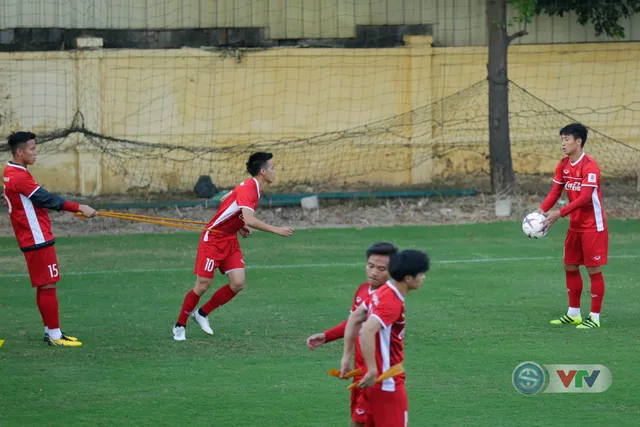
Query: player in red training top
378, 257
587, 240
219, 247
382, 340
27, 203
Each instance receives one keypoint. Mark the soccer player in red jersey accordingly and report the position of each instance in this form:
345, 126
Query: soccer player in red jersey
27, 203
219, 247
377, 269
382, 328
587, 241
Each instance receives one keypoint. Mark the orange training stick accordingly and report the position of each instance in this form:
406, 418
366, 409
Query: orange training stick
128, 215
336, 373
391, 372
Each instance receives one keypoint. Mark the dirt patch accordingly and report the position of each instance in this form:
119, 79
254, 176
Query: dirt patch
357, 213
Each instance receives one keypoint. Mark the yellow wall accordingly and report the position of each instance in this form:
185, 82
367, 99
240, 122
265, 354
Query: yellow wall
378, 116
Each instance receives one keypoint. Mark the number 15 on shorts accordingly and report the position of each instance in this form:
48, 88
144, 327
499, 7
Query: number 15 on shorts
209, 265
53, 270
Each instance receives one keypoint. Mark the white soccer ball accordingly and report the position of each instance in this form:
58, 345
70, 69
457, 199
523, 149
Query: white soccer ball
533, 226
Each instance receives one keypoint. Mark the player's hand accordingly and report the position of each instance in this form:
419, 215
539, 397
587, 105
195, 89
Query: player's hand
316, 340
368, 380
552, 216
284, 231
87, 211
540, 211
345, 366
245, 232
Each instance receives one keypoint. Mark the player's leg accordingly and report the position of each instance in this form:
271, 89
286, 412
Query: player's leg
233, 267
204, 271
573, 258
45, 274
595, 247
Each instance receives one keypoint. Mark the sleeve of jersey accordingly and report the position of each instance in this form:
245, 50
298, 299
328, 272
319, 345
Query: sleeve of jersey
43, 199
583, 199
556, 190
387, 312
335, 332
26, 185
247, 197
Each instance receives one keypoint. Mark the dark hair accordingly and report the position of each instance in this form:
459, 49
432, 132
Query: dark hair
257, 161
408, 263
577, 130
382, 248
16, 140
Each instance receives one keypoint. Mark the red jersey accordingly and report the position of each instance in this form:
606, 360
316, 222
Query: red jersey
31, 224
362, 297
583, 173
228, 220
387, 306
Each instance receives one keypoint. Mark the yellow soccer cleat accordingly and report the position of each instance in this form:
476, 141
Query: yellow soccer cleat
46, 337
589, 323
566, 320
65, 341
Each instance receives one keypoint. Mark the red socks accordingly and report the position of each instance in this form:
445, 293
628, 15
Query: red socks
574, 287
597, 292
220, 297
47, 301
190, 303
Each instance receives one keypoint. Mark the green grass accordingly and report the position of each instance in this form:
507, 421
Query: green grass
467, 328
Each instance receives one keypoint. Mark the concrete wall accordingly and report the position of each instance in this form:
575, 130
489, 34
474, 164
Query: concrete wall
456, 22
382, 116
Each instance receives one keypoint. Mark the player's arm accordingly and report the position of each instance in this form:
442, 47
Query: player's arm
354, 322
556, 190
337, 332
368, 347
44, 199
584, 198
250, 220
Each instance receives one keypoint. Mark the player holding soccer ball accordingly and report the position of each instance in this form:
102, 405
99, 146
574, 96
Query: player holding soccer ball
219, 247
377, 269
587, 240
27, 203
382, 328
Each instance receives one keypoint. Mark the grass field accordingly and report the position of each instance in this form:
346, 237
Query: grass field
484, 308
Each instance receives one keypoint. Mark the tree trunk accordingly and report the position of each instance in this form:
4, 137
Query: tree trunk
502, 178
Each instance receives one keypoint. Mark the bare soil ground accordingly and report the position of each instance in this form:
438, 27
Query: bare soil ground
374, 213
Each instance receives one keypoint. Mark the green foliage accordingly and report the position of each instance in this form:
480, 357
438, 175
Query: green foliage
605, 15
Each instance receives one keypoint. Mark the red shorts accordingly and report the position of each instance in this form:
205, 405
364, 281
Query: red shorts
43, 266
359, 404
588, 248
225, 255
387, 408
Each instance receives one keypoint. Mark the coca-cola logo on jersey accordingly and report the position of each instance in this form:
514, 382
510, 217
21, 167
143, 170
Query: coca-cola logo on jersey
575, 186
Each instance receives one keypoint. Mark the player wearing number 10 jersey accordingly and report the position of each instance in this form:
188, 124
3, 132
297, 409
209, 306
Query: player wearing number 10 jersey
27, 203
219, 247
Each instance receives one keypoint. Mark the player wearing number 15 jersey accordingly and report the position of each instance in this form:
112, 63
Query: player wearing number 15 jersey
219, 247
27, 203
587, 240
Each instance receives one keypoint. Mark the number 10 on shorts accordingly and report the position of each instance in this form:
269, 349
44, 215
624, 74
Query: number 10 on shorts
53, 270
209, 265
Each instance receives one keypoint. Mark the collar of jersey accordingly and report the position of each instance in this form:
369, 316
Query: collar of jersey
577, 161
15, 165
395, 290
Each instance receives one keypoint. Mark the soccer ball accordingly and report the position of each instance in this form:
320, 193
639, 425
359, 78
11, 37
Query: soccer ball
533, 226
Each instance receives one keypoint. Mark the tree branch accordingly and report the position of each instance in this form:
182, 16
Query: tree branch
514, 36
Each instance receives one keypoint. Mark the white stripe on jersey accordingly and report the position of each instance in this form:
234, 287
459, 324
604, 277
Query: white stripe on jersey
597, 210
234, 208
34, 225
385, 345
